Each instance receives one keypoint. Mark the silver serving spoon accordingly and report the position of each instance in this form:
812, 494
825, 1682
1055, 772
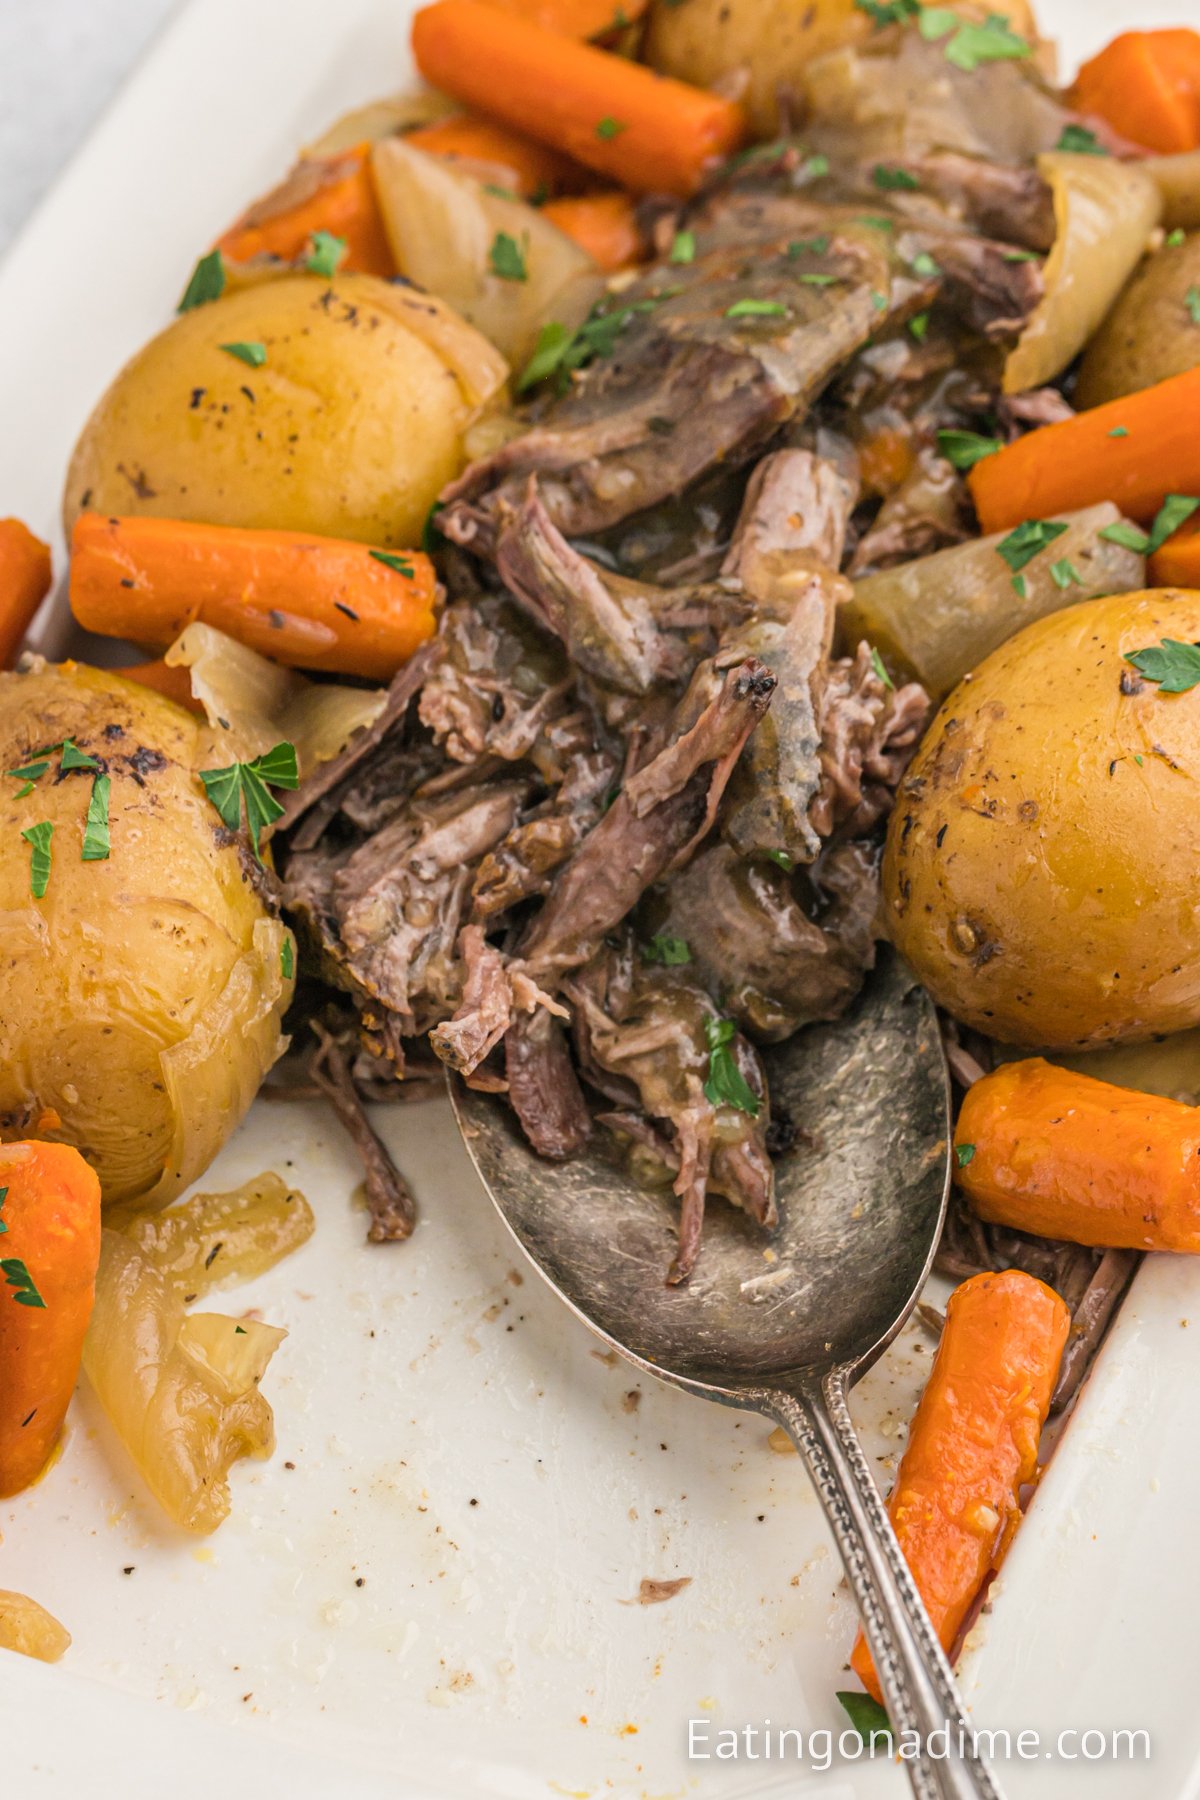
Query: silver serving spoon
860, 1213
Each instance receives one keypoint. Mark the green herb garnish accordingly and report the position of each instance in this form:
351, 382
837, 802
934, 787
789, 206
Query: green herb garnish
1192, 301
1081, 140
782, 858
253, 355
815, 246
249, 781
683, 248
918, 326
28, 773
95, 831
431, 538
1175, 666
559, 352
817, 165
3, 1198
1020, 587
1023, 544
610, 128
38, 838
1064, 574
892, 181
877, 222
972, 44
726, 1085
1016, 256
963, 1154
1130, 537
1174, 238
17, 1276
74, 758
391, 560
207, 282
287, 958
325, 253
810, 279
867, 1717
923, 265
756, 309
878, 300
936, 22
507, 259
662, 948
888, 12
1119, 431
965, 448
1175, 511
878, 665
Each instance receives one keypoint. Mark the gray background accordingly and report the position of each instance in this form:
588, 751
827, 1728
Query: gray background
61, 61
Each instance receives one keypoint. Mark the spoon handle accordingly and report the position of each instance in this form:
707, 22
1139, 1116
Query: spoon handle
917, 1681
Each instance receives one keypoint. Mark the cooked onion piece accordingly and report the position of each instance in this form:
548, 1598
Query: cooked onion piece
1104, 211
382, 118
182, 1390
29, 1629
1178, 179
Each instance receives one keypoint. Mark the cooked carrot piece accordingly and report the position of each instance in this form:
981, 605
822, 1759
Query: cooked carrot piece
25, 576
1067, 1156
174, 684
310, 602
328, 193
527, 167
1177, 564
642, 130
49, 1253
605, 225
1146, 84
576, 18
973, 1444
1065, 467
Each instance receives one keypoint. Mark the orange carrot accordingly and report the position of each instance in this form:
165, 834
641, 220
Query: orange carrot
311, 602
605, 225
576, 18
1146, 84
528, 168
327, 193
49, 1252
1177, 564
174, 684
1067, 1156
24, 583
1065, 467
973, 1444
642, 130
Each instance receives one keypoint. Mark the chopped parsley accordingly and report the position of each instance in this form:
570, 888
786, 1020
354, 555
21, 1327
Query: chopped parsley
1175, 511
878, 300
918, 325
816, 166
924, 266
1130, 537
756, 309
95, 832
1175, 666
877, 222
878, 665
325, 254
969, 44
811, 279
1081, 140
1020, 587
683, 248
17, 1276
963, 1154
1119, 431
1018, 256
207, 282
1174, 238
506, 258
74, 758
1027, 540
1064, 574
671, 951
248, 782
888, 12
782, 858
29, 773
814, 246
893, 181
559, 351
726, 1085
253, 355
431, 538
3, 1198
38, 838
965, 448
610, 128
287, 958
867, 1717
390, 559
1192, 301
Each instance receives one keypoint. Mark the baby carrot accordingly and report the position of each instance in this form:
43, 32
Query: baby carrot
328, 193
605, 225
174, 684
576, 18
310, 602
520, 163
1177, 564
1133, 452
1046, 1150
973, 1444
644, 131
49, 1252
24, 583
1146, 85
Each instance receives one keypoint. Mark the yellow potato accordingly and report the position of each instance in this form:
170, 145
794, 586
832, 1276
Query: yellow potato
350, 427
140, 998
1149, 335
1040, 871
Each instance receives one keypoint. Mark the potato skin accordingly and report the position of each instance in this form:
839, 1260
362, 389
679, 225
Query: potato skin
1149, 335
350, 428
1038, 877
140, 999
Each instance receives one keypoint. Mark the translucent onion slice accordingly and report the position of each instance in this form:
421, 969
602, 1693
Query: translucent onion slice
382, 118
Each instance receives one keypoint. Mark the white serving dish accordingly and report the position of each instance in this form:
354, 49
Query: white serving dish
418, 1379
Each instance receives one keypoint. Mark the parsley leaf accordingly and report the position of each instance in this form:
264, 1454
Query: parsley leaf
1128, 536
3, 1198
888, 12
936, 22
1175, 511
726, 1085
1192, 301
1023, 544
867, 1717
1119, 431
1017, 256
1174, 238
248, 781
891, 181
876, 222
811, 279
816, 246
756, 309
325, 254
559, 351
992, 41
17, 1276
431, 538
816, 166
963, 1154
507, 259
287, 957
918, 325
38, 838
1173, 665
207, 282
1081, 140
95, 831
671, 951
390, 560
253, 355
28, 773
74, 758
610, 128
1064, 574
683, 249
878, 665
782, 858
923, 265
1020, 587
965, 448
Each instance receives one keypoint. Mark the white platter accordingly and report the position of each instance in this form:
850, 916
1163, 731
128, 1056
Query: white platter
420, 1379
